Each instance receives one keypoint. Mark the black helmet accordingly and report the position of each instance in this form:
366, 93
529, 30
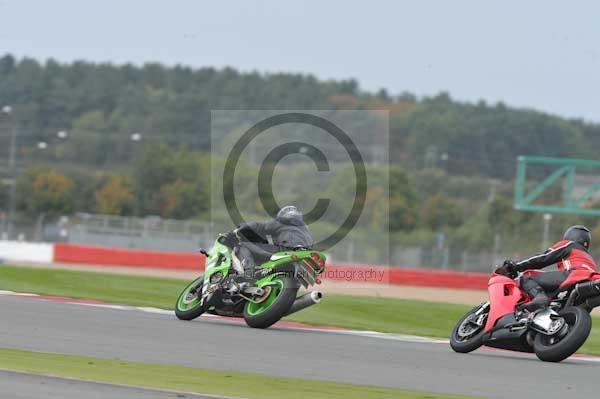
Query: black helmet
289, 215
580, 234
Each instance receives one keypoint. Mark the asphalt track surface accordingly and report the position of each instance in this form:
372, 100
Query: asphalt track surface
40, 325
27, 386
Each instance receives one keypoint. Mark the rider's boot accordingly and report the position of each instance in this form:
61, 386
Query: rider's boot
248, 278
539, 299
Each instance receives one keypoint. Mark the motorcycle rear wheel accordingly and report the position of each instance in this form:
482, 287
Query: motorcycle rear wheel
280, 299
554, 349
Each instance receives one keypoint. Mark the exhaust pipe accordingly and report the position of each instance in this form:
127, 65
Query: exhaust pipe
588, 289
587, 293
306, 300
591, 303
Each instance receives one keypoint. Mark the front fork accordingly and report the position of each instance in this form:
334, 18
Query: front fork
481, 313
483, 307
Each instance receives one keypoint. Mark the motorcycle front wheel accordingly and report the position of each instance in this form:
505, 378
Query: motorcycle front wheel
467, 334
188, 305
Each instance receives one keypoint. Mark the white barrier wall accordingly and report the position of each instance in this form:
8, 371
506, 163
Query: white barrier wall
26, 252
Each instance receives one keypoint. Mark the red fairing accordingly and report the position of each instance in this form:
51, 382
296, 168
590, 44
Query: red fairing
504, 297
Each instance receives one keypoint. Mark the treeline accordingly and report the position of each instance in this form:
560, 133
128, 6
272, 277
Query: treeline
102, 105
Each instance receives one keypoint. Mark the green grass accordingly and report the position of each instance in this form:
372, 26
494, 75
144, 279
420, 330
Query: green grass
177, 378
592, 346
131, 290
429, 319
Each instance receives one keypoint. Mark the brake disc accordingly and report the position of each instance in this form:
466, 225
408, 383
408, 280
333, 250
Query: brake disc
556, 326
264, 296
467, 328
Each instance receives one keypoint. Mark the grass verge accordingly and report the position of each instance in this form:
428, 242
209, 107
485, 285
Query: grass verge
176, 378
430, 319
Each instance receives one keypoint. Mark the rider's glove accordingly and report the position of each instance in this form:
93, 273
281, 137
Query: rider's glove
238, 231
508, 268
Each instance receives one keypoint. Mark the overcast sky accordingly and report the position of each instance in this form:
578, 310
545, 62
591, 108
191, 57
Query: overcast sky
537, 54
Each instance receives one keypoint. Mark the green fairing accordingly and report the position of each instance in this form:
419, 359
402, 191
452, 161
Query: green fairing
223, 267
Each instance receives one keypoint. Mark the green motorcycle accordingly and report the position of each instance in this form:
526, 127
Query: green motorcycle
261, 304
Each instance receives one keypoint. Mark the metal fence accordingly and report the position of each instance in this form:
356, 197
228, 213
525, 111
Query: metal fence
147, 233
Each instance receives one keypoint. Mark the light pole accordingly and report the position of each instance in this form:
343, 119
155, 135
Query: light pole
444, 158
7, 230
42, 146
136, 139
546, 235
6, 110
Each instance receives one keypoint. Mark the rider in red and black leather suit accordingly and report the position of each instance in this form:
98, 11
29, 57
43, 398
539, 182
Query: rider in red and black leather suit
569, 254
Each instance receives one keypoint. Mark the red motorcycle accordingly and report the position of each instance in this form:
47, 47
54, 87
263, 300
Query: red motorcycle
553, 333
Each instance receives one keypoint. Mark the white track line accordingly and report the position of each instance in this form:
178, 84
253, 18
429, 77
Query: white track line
12, 293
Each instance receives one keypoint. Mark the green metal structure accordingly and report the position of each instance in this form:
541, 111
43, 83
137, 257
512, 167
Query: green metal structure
566, 169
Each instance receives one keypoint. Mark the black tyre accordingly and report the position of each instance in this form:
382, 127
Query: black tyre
557, 348
274, 306
467, 334
188, 305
